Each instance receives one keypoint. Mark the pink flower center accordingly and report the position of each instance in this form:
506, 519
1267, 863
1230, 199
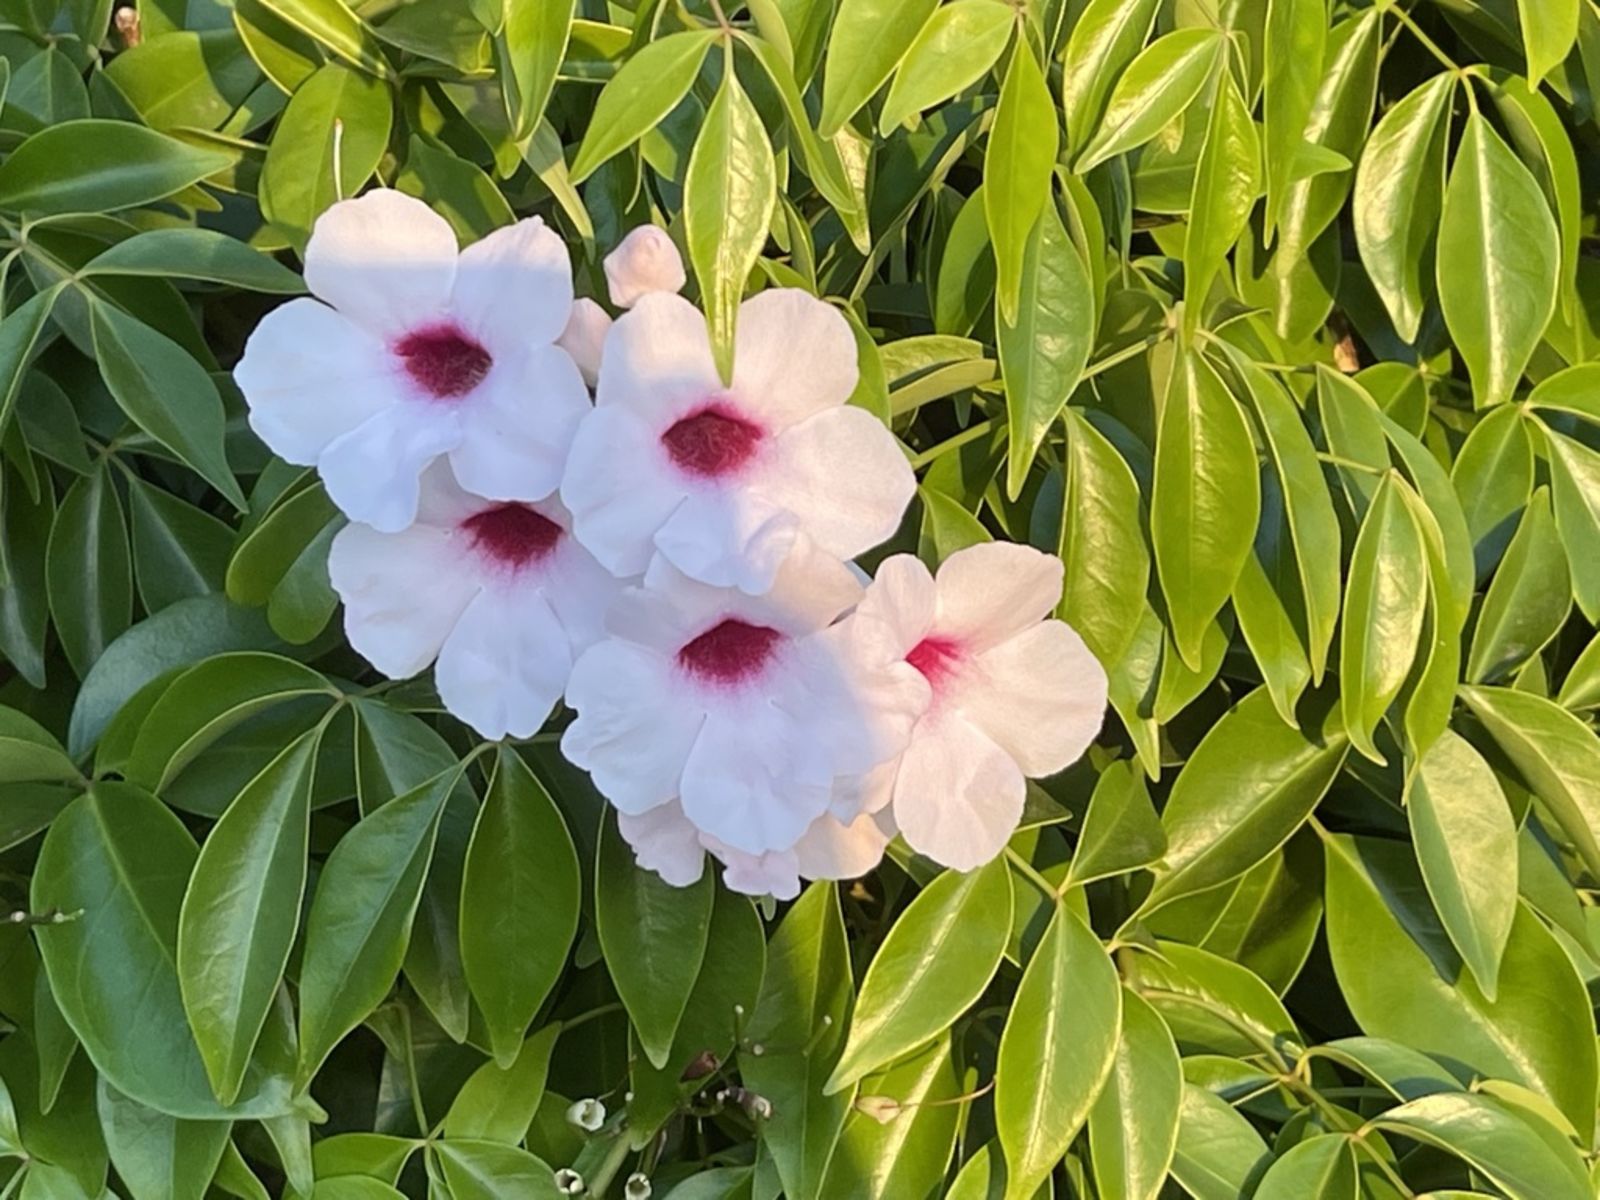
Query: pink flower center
512, 535
730, 652
712, 442
937, 658
443, 361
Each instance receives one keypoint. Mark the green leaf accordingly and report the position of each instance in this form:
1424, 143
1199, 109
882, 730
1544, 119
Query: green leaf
869, 39
639, 96
184, 79
159, 1157
1498, 261
728, 198
1057, 1050
532, 45
497, 1104
1534, 1032
1490, 1136
360, 919
1157, 87
954, 50
1575, 487
905, 1155
1319, 1168
937, 960
28, 752
1294, 39
1016, 179
1466, 844
1220, 1156
241, 912
1043, 354
1399, 192
1227, 180
1121, 830
195, 254
519, 903
19, 335
1105, 39
88, 571
1493, 478
1549, 29
100, 166
654, 938
1385, 601
165, 392
494, 1171
330, 23
1527, 602
178, 549
1205, 502
1133, 1125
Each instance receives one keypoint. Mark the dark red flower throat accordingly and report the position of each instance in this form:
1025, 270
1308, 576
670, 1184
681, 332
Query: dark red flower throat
512, 534
443, 361
712, 442
730, 651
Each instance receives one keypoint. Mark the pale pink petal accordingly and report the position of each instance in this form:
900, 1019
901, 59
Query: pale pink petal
385, 260
518, 425
831, 849
958, 796
657, 361
617, 490
579, 590
1040, 695
867, 793
993, 591
899, 605
743, 783
311, 375
402, 593
794, 356
774, 874
584, 338
633, 732
372, 472
644, 261
810, 591
505, 664
441, 500
665, 842
861, 709
514, 287
843, 474
728, 539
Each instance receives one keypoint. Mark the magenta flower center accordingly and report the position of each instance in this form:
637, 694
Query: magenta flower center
512, 535
730, 652
937, 658
712, 442
443, 361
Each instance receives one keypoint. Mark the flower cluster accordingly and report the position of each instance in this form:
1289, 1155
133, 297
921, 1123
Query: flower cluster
672, 558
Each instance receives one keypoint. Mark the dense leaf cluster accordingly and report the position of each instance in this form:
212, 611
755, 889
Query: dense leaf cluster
1272, 318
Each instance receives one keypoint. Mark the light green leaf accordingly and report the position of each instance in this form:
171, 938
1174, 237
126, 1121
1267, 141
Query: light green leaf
100, 166
1549, 29
1105, 39
1016, 179
638, 97
868, 40
954, 50
1227, 180
1133, 1126
1157, 87
1490, 1136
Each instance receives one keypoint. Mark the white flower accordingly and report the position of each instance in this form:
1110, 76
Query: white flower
725, 481
587, 1115
413, 350
645, 261
743, 708
1014, 694
667, 842
499, 591
585, 337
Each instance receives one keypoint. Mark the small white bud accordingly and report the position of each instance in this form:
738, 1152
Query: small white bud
759, 1108
645, 261
881, 1109
585, 336
587, 1115
569, 1182
637, 1187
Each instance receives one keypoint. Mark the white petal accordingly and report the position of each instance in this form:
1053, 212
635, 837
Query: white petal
441, 500
727, 539
809, 592
958, 796
900, 603
579, 590
372, 472
633, 732
645, 261
518, 425
742, 783
774, 874
665, 842
859, 711
657, 361
843, 474
311, 375
514, 287
1040, 695
584, 338
794, 356
994, 590
867, 793
830, 849
402, 593
506, 663
385, 259
616, 489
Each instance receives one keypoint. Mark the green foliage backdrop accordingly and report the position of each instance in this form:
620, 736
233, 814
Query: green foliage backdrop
1276, 321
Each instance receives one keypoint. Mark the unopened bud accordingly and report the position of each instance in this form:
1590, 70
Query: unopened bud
569, 1182
645, 261
881, 1109
704, 1064
585, 337
587, 1115
637, 1187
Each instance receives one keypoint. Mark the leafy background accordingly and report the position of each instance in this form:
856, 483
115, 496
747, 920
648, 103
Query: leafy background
1277, 321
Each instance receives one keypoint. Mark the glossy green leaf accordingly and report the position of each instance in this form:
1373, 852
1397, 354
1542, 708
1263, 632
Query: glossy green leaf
1528, 600
905, 1155
1491, 1137
100, 166
1227, 180
956, 48
159, 1157
87, 570
1106, 38
1133, 1125
1549, 29
1219, 1156
646, 88
1157, 86
1016, 182
870, 37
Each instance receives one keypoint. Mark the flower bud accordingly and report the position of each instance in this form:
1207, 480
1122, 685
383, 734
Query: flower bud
569, 1182
644, 261
587, 1115
881, 1109
585, 336
637, 1187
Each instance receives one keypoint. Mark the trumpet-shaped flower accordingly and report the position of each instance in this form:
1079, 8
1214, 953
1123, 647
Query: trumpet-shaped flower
499, 592
412, 350
743, 709
645, 261
726, 481
1013, 694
